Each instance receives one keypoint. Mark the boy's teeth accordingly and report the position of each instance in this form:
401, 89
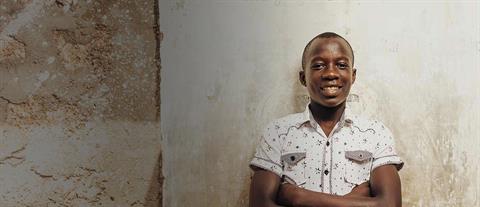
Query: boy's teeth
331, 88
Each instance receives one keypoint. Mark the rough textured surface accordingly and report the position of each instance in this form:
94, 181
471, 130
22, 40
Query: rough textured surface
97, 55
231, 66
79, 103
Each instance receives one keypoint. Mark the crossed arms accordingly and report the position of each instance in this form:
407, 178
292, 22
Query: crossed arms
383, 190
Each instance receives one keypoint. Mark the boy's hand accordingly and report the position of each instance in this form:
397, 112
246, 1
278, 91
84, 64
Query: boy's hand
362, 190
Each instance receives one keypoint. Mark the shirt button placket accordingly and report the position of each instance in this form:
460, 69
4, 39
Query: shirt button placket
327, 164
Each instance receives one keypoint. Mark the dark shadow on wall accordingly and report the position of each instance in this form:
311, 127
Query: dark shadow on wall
154, 196
158, 61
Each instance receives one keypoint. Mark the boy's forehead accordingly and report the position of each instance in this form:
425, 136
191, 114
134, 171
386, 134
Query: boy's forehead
330, 44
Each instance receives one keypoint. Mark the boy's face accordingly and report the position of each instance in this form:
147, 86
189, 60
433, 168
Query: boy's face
328, 73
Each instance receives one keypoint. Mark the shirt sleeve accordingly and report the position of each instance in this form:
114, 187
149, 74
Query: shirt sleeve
267, 155
385, 152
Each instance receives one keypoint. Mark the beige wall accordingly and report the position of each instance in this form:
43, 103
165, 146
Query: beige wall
79, 103
229, 67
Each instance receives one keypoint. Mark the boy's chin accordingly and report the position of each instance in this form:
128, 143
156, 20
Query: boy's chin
331, 103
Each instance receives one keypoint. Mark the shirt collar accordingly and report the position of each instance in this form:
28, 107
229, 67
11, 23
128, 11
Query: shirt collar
347, 118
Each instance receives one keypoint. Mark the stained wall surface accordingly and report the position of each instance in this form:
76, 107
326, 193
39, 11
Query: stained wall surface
79, 103
229, 67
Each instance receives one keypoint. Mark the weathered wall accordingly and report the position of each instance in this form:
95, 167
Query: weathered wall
229, 67
79, 103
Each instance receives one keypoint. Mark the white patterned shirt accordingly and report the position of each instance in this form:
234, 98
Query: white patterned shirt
296, 148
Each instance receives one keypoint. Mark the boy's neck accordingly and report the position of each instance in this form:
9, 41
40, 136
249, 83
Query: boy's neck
326, 116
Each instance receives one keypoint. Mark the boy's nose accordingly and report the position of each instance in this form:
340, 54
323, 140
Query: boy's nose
330, 73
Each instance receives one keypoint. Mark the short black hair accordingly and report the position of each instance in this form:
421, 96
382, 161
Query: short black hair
324, 35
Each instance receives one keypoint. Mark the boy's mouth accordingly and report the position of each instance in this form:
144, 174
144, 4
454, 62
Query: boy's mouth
331, 90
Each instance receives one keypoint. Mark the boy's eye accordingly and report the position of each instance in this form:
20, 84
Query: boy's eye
318, 66
342, 65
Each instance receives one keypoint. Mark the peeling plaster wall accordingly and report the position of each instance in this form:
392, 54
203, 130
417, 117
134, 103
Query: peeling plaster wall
229, 67
79, 103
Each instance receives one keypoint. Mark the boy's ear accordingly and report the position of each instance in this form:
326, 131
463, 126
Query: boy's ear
301, 77
354, 75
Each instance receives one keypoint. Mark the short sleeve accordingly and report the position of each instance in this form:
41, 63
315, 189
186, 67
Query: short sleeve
267, 155
385, 152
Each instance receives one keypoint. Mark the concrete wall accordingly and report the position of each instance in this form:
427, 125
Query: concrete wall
79, 103
229, 67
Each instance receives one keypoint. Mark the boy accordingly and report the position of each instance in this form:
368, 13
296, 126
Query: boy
326, 156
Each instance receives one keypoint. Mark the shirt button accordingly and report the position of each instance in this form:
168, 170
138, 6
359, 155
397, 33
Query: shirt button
328, 143
326, 172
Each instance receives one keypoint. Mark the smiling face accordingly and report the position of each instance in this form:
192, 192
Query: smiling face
328, 73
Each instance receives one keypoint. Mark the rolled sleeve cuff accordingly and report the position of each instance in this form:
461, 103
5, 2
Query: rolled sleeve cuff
266, 165
386, 160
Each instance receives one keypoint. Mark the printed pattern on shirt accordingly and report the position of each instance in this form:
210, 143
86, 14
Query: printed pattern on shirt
295, 148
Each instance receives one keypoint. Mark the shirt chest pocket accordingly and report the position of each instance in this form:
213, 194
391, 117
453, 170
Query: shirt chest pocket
294, 164
357, 166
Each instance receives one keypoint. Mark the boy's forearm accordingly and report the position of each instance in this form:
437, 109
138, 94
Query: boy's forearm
314, 199
266, 203
264, 188
294, 196
385, 189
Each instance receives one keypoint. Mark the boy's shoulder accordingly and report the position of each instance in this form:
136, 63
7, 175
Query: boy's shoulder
364, 123
287, 121
360, 122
